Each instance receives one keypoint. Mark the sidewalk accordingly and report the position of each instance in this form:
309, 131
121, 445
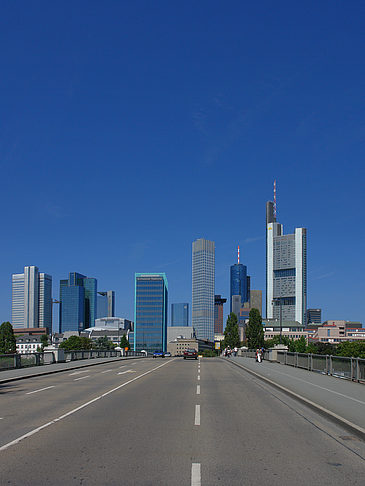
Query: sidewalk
34, 371
342, 399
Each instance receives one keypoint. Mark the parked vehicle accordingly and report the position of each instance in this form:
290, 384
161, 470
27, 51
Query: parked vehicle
167, 355
158, 354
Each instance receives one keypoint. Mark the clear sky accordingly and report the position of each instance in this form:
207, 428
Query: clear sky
129, 129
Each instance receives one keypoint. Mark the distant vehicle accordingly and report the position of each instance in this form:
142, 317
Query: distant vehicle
190, 353
167, 355
158, 354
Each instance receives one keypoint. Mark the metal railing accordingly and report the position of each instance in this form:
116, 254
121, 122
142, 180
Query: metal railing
23, 360
338, 366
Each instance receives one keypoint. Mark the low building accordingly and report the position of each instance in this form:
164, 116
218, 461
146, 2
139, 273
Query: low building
178, 346
28, 343
291, 329
113, 323
338, 331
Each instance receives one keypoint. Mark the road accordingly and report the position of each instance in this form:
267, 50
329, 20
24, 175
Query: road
168, 422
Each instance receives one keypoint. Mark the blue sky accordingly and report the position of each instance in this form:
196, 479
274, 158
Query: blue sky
129, 129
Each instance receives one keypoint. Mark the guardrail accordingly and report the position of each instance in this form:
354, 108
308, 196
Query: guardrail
22, 360
338, 366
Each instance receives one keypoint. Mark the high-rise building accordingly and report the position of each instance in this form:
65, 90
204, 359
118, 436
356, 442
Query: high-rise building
203, 276
286, 270
218, 314
106, 304
240, 283
314, 316
150, 320
180, 314
31, 299
78, 303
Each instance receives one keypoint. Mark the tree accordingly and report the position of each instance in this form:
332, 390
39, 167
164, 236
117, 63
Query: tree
254, 330
74, 343
231, 334
7, 339
124, 343
351, 349
44, 341
103, 343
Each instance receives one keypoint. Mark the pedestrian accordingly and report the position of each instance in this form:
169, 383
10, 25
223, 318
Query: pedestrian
235, 351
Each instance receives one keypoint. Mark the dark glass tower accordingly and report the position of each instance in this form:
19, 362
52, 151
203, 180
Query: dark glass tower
239, 283
150, 317
180, 314
78, 303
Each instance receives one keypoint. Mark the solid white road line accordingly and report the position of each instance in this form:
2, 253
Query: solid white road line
128, 371
41, 389
86, 404
197, 415
82, 378
196, 474
198, 389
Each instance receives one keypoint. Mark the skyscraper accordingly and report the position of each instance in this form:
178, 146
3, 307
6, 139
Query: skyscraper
203, 276
150, 319
180, 314
78, 303
106, 304
31, 299
218, 314
286, 270
239, 283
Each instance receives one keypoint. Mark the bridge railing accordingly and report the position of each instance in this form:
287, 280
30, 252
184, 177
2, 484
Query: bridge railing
338, 366
22, 360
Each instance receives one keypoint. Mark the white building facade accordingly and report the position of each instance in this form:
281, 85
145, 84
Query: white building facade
31, 299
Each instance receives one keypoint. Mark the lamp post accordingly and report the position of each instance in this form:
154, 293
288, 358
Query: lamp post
276, 300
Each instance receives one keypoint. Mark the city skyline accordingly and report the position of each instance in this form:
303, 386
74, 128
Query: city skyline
111, 170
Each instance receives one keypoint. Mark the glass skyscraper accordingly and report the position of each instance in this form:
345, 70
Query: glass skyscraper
180, 314
203, 277
31, 299
239, 283
286, 271
150, 316
106, 304
78, 303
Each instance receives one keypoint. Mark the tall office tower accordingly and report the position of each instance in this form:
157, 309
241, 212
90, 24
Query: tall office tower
218, 314
150, 319
256, 300
106, 304
203, 276
314, 316
239, 283
78, 303
180, 315
31, 299
286, 270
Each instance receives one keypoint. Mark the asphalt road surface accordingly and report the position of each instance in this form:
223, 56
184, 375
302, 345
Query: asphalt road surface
168, 422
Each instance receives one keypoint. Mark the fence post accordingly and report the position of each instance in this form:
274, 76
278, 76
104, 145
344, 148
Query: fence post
17, 361
358, 370
331, 365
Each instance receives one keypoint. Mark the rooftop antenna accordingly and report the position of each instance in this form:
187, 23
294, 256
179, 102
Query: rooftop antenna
275, 200
238, 254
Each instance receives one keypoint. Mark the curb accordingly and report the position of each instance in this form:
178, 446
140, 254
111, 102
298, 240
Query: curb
356, 429
35, 375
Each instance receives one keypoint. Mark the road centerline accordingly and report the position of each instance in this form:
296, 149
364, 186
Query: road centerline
198, 389
41, 389
195, 474
82, 377
197, 415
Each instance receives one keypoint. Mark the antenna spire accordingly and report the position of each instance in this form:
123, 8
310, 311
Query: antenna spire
275, 200
238, 254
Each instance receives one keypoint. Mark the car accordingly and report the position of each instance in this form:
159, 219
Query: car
158, 354
190, 353
167, 355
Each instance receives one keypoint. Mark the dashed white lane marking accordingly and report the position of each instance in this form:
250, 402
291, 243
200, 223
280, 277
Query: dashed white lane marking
198, 389
82, 377
86, 404
79, 372
198, 377
106, 371
197, 415
41, 389
123, 366
195, 474
128, 371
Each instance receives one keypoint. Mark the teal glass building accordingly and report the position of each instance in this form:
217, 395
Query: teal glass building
78, 302
150, 315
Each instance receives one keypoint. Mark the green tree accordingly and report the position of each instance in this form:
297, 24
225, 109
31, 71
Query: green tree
7, 339
254, 330
44, 341
124, 343
103, 343
351, 349
231, 334
75, 343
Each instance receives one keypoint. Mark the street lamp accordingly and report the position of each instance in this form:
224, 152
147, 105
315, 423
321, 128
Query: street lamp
278, 300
